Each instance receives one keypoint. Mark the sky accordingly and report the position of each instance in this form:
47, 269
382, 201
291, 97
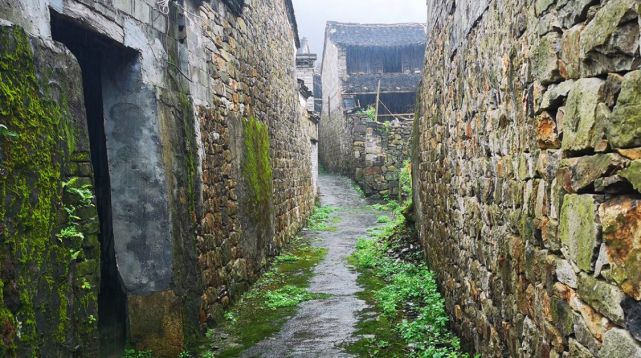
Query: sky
311, 15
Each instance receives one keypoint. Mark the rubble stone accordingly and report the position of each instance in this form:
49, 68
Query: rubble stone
621, 220
625, 129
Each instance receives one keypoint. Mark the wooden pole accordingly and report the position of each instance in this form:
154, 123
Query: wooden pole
378, 98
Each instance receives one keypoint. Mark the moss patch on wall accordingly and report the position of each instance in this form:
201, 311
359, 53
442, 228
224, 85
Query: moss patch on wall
257, 169
40, 244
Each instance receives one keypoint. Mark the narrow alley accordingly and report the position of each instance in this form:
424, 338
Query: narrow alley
325, 326
335, 178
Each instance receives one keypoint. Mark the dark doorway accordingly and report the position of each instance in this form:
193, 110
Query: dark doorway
90, 49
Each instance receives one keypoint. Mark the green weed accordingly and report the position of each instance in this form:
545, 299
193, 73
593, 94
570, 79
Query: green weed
70, 232
286, 258
405, 180
288, 296
358, 189
261, 311
383, 219
320, 219
408, 295
5, 132
370, 112
132, 353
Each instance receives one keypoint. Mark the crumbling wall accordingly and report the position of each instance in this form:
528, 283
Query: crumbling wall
525, 165
379, 151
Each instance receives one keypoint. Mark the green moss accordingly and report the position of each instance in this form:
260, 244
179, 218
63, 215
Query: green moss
33, 259
633, 174
257, 169
577, 230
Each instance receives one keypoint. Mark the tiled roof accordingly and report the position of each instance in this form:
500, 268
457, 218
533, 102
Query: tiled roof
384, 35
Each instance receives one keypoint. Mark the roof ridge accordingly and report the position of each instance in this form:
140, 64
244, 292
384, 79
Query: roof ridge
397, 24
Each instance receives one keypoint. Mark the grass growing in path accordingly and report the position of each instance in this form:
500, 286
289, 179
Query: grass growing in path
263, 310
322, 219
405, 294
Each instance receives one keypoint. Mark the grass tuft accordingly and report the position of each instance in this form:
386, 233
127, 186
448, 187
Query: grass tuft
407, 295
321, 218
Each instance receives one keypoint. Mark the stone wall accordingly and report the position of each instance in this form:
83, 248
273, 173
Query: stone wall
49, 250
207, 146
378, 152
526, 174
335, 138
235, 239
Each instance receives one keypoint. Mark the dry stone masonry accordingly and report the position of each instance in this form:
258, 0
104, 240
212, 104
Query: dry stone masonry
151, 162
526, 166
379, 151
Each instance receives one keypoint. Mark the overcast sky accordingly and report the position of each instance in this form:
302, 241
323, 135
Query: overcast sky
311, 15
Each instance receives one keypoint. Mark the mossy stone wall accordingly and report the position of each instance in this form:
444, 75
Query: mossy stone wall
49, 252
525, 174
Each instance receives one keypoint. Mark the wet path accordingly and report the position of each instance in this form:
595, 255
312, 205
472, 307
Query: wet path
321, 327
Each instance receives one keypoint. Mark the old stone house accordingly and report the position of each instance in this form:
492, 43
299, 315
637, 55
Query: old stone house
153, 156
369, 66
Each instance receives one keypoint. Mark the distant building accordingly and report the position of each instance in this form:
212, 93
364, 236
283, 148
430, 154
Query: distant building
305, 72
358, 58
305, 62
362, 63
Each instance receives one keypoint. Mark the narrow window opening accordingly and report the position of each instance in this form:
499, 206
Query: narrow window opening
90, 48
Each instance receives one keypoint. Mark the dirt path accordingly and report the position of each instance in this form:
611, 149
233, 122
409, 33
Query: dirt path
321, 327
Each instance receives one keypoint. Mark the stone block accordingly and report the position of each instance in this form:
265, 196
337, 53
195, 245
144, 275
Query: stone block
124, 5
562, 316
604, 297
577, 350
621, 220
632, 154
160, 23
570, 66
588, 329
565, 273
576, 174
556, 94
618, 343
544, 59
580, 128
574, 11
542, 5
546, 132
155, 323
625, 129
612, 88
142, 11
611, 40
578, 230
632, 311
633, 174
